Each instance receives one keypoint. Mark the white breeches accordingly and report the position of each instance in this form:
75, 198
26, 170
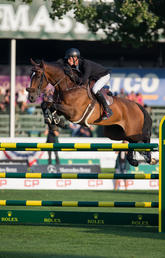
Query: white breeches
99, 84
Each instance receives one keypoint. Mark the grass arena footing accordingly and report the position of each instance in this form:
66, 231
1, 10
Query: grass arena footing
54, 218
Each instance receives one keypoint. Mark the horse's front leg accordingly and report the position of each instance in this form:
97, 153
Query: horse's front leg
45, 106
50, 115
66, 110
57, 110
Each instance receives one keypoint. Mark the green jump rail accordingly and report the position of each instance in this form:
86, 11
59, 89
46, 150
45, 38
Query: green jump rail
78, 176
78, 203
79, 146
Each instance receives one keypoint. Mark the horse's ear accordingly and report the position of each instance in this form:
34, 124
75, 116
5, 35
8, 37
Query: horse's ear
32, 62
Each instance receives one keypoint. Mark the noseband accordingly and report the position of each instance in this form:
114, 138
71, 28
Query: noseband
40, 83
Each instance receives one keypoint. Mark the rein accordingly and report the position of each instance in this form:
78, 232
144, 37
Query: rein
58, 82
75, 87
67, 88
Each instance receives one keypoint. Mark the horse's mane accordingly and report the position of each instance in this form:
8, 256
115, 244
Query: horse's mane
54, 64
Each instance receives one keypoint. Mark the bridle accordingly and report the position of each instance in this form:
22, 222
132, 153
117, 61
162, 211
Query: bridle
41, 82
43, 76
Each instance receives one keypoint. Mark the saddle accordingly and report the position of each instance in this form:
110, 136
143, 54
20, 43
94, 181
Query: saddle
90, 107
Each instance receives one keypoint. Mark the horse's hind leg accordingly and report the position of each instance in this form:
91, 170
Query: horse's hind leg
131, 160
146, 154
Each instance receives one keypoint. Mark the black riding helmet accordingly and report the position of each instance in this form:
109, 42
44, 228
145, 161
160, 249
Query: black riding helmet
71, 52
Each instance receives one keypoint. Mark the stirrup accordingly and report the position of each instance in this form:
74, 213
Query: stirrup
107, 114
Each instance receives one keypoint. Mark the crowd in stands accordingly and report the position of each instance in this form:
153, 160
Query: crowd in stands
137, 97
20, 100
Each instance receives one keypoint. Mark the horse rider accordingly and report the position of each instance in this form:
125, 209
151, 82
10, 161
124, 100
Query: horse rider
89, 70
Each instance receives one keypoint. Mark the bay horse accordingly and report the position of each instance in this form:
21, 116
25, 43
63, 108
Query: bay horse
129, 122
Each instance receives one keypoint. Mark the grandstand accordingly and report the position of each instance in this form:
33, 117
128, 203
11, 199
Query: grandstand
32, 125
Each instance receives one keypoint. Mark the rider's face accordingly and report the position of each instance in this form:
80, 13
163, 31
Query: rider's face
73, 60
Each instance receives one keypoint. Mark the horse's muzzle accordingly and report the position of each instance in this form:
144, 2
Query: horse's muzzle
31, 98
32, 94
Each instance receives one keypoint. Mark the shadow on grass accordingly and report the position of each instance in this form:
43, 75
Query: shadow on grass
128, 192
8, 254
150, 232
120, 230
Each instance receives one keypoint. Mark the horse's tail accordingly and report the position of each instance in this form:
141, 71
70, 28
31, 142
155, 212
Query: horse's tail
147, 126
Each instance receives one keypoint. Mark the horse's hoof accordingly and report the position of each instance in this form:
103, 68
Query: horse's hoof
133, 162
62, 123
148, 158
153, 161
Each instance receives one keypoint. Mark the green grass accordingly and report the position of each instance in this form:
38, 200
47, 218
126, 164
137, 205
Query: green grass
81, 241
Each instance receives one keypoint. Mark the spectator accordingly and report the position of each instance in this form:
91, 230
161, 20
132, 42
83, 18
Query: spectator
2, 101
107, 90
74, 128
122, 165
139, 99
132, 96
31, 110
7, 100
148, 108
122, 94
84, 131
22, 99
52, 137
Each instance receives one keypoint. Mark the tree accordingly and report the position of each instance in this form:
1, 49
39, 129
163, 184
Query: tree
130, 22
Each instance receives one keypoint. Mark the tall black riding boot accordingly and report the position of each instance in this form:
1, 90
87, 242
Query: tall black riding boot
107, 111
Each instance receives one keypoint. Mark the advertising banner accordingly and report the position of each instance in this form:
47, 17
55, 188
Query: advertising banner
149, 82
19, 20
77, 184
65, 169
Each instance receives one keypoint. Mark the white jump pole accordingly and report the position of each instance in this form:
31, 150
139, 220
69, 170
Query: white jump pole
12, 88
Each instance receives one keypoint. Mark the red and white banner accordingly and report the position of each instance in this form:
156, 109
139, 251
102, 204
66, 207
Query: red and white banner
78, 184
